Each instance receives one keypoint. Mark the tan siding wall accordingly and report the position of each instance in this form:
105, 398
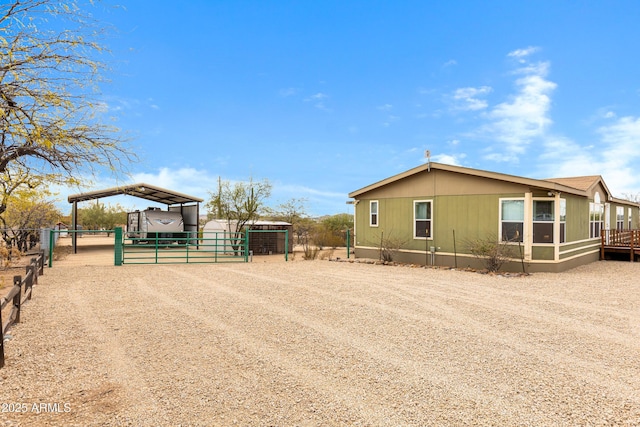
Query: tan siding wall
442, 183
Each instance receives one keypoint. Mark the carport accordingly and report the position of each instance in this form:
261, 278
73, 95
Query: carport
188, 206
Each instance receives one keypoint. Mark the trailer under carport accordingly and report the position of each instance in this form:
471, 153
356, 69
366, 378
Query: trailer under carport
188, 206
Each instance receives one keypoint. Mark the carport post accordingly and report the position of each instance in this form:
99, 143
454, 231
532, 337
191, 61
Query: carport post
286, 244
348, 242
118, 245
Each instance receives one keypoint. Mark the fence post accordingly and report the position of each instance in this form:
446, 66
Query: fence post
246, 246
17, 281
30, 278
118, 246
1, 342
41, 260
50, 247
34, 267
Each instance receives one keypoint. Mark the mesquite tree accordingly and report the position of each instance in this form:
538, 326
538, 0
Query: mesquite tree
238, 203
51, 122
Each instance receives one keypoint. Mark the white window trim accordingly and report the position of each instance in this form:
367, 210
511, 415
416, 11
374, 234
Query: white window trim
524, 228
592, 207
562, 239
371, 224
430, 201
533, 220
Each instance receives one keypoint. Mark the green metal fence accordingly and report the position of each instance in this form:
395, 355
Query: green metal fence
196, 247
191, 247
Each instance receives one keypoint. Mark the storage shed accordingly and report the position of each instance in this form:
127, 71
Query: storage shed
266, 237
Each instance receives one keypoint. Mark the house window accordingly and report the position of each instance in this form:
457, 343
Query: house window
630, 222
511, 220
543, 221
422, 219
619, 217
373, 213
596, 217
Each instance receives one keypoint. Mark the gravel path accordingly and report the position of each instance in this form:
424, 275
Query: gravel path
325, 343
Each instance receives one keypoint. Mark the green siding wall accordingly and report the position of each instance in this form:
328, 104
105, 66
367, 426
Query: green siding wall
542, 253
577, 218
471, 216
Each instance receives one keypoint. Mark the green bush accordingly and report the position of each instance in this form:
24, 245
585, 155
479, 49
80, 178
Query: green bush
493, 253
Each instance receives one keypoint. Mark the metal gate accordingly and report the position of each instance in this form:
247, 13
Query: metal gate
192, 247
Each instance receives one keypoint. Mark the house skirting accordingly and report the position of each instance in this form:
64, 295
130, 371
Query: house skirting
469, 261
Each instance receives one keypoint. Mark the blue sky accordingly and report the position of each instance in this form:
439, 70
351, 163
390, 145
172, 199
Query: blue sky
325, 97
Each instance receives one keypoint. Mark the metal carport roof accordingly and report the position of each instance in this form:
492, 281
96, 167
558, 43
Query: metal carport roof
142, 190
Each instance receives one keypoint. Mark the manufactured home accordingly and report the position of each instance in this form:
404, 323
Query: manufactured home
434, 212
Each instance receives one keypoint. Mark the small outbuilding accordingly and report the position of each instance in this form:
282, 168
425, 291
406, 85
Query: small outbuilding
265, 237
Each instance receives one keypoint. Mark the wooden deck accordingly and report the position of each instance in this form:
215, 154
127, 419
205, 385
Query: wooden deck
620, 244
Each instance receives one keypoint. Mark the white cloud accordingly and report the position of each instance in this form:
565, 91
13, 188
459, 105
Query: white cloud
614, 156
467, 98
390, 119
524, 117
563, 157
501, 157
385, 107
318, 96
448, 159
520, 54
318, 100
620, 150
450, 63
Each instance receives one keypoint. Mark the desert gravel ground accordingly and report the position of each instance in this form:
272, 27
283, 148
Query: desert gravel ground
325, 343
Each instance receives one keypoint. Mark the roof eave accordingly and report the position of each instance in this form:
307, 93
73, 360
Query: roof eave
535, 183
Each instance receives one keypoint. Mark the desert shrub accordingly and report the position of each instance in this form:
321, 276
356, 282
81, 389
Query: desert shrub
310, 252
327, 239
324, 255
492, 252
389, 246
9, 255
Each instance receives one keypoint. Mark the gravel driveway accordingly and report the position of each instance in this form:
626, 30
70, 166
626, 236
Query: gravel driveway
325, 343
